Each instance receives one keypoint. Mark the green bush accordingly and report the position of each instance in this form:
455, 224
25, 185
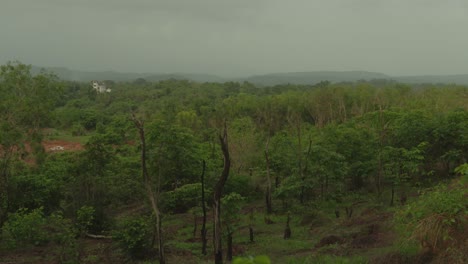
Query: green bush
183, 198
240, 184
78, 130
31, 228
61, 232
25, 228
133, 236
84, 218
435, 216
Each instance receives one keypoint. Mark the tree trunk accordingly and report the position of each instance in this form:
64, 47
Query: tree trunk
287, 230
217, 232
251, 231
149, 190
203, 229
195, 225
393, 194
229, 245
251, 234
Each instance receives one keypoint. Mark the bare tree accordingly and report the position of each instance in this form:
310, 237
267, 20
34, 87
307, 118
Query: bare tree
139, 124
217, 234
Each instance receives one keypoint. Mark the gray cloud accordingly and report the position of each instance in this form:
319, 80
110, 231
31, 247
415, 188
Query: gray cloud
236, 37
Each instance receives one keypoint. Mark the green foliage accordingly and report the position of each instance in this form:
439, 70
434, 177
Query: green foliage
364, 135
434, 217
133, 236
24, 228
62, 233
78, 130
31, 228
174, 153
182, 199
36, 189
463, 171
240, 184
252, 260
84, 218
231, 205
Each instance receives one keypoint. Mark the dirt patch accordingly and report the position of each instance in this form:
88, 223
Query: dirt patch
397, 258
52, 146
329, 240
368, 218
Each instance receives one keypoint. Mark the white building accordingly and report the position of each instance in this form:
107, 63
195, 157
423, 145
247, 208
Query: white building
100, 87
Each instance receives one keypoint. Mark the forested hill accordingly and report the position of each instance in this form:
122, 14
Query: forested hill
315, 77
86, 76
311, 77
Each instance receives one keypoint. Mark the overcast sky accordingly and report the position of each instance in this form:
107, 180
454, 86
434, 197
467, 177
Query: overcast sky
238, 37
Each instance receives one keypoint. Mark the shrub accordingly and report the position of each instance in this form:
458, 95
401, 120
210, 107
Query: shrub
133, 236
25, 228
61, 232
31, 228
435, 216
183, 198
84, 218
240, 184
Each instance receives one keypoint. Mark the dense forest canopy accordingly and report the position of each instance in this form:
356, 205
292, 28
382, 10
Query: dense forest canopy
297, 147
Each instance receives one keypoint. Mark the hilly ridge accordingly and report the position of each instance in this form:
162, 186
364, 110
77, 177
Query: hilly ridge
310, 78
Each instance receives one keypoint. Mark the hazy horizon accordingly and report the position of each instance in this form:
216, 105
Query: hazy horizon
238, 38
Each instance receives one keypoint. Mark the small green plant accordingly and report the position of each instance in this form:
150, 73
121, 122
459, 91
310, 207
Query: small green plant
77, 130
133, 236
84, 218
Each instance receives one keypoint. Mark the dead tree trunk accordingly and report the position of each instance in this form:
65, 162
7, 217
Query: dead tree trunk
195, 224
217, 232
287, 230
139, 124
229, 247
251, 231
203, 228
393, 194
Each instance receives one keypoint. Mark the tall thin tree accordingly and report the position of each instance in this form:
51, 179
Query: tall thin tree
139, 124
217, 232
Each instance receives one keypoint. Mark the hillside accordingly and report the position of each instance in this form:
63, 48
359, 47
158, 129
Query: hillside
315, 77
300, 78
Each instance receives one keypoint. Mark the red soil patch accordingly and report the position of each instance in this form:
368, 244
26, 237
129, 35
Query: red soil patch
60, 145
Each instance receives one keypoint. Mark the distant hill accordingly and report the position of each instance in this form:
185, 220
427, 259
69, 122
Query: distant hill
315, 77
182, 76
83, 76
447, 79
311, 78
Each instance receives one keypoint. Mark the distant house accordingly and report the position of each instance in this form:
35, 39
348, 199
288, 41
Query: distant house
100, 87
